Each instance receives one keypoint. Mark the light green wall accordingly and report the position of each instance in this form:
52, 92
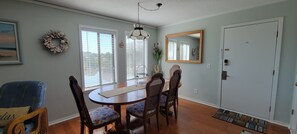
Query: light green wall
197, 76
38, 64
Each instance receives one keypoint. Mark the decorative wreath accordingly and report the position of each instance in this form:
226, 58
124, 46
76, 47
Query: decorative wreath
49, 37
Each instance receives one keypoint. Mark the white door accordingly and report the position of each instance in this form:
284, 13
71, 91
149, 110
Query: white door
294, 107
248, 59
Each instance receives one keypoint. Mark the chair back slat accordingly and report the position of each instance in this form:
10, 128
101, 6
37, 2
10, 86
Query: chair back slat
153, 92
79, 99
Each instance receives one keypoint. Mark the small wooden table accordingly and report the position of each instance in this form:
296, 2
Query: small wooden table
119, 100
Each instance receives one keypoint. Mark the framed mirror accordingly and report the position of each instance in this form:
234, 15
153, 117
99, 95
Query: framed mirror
185, 47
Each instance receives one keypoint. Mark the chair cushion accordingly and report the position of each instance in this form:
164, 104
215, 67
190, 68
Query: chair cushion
7, 114
138, 109
163, 100
103, 115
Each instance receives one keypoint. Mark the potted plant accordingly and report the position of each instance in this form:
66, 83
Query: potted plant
157, 53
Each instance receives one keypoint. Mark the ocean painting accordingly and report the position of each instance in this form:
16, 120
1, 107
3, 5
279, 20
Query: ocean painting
9, 53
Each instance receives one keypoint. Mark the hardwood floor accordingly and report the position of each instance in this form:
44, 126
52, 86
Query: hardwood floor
193, 118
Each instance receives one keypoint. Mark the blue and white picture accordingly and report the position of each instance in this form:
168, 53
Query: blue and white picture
9, 49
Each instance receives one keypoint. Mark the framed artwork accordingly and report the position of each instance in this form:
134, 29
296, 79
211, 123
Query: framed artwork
9, 44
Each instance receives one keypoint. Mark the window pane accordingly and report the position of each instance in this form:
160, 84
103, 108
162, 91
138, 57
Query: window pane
136, 58
97, 57
130, 58
171, 50
139, 54
106, 56
90, 58
184, 51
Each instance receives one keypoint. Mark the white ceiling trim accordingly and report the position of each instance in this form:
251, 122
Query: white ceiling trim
208, 16
82, 12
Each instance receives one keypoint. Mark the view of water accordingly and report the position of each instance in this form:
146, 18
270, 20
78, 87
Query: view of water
94, 80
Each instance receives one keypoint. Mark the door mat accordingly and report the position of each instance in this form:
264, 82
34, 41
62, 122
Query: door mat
241, 120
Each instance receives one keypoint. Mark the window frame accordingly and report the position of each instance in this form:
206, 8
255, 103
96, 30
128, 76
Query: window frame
145, 61
114, 56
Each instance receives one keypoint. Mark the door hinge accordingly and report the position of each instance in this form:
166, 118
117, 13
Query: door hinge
276, 34
269, 108
273, 72
292, 112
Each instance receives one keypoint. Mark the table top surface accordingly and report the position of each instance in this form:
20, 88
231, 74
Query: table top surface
126, 98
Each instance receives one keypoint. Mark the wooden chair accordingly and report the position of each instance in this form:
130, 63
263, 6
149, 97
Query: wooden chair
171, 71
150, 106
20, 94
168, 98
94, 119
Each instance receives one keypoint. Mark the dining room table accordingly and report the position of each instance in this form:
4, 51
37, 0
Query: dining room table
117, 101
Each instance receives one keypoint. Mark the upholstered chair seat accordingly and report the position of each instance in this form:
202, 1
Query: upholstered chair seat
163, 101
138, 109
103, 115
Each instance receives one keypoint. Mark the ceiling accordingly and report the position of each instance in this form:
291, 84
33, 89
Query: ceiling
172, 11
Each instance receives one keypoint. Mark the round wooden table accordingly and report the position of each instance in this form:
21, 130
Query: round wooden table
117, 101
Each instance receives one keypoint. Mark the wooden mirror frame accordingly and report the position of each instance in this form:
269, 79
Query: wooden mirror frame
199, 61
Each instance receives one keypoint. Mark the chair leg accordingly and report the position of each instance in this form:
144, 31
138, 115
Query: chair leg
82, 127
127, 119
175, 112
157, 117
90, 131
105, 128
144, 126
167, 115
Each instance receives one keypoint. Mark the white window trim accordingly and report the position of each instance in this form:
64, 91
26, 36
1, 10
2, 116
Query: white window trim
97, 29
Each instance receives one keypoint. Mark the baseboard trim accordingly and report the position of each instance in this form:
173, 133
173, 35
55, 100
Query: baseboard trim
63, 119
199, 101
216, 106
280, 123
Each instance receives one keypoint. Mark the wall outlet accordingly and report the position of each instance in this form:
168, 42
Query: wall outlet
196, 91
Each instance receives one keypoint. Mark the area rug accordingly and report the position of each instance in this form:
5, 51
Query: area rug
241, 120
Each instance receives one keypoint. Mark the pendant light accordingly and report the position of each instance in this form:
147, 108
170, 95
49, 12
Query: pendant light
138, 33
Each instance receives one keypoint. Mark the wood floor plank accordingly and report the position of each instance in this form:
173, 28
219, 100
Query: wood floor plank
193, 118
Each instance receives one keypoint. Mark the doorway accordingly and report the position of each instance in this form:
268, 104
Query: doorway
249, 67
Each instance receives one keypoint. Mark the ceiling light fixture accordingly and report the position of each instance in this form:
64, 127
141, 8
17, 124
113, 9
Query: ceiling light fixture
138, 33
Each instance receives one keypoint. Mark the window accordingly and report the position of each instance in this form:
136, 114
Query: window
97, 51
184, 51
136, 56
172, 50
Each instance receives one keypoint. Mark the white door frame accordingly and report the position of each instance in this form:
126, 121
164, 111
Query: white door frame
276, 64
293, 118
